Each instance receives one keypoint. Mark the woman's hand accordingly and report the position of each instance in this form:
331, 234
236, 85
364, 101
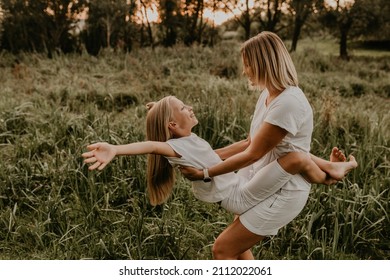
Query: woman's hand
100, 154
191, 173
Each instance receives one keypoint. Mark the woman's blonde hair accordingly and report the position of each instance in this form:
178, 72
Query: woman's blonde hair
160, 174
270, 62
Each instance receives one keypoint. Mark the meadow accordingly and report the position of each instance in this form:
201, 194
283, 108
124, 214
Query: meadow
52, 207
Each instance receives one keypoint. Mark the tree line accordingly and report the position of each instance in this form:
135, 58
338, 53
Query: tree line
74, 25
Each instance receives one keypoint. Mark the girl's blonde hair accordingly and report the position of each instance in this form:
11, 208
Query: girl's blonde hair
160, 174
270, 62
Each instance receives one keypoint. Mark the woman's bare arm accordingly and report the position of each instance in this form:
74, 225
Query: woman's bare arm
267, 137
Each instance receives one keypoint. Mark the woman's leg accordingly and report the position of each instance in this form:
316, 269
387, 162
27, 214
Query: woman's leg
247, 255
264, 219
235, 242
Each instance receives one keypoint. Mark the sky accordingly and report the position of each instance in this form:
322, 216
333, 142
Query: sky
220, 17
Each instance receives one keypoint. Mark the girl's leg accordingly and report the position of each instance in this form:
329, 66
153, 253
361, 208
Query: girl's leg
265, 182
235, 242
268, 180
273, 176
337, 167
317, 170
301, 163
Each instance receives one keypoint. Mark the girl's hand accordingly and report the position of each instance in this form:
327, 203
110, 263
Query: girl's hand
100, 154
191, 173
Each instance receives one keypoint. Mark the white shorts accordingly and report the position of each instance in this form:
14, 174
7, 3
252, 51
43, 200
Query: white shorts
269, 200
268, 216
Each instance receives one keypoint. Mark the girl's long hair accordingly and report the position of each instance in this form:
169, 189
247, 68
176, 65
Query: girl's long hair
269, 61
160, 174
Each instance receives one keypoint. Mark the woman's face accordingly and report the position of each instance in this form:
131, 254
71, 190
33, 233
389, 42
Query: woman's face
253, 81
248, 72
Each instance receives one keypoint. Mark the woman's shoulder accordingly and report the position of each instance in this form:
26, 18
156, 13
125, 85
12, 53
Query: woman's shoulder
294, 95
292, 100
294, 91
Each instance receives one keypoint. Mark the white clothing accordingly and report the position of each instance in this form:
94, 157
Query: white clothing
260, 187
197, 152
268, 216
264, 194
236, 193
292, 112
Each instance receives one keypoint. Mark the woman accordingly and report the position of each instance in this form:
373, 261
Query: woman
282, 123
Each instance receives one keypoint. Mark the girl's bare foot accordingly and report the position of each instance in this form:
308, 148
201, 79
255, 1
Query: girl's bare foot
337, 155
337, 170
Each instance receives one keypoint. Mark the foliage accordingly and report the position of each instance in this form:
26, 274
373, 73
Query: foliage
301, 11
109, 25
74, 25
39, 25
52, 207
353, 19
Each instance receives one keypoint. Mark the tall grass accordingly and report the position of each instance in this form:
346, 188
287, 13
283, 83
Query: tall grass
52, 207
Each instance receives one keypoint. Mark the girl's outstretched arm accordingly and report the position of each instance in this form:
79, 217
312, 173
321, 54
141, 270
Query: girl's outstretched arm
100, 154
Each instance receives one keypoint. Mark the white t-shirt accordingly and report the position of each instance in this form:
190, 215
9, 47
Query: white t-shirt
198, 153
291, 111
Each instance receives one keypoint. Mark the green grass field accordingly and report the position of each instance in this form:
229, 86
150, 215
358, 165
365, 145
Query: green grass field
52, 207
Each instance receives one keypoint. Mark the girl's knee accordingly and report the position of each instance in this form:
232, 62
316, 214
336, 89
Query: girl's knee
301, 159
294, 162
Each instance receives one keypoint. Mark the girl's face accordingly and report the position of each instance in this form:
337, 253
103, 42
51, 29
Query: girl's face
183, 117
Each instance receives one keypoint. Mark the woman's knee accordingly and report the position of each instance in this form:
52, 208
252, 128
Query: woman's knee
220, 250
234, 241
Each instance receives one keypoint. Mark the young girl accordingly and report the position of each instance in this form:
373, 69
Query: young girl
171, 143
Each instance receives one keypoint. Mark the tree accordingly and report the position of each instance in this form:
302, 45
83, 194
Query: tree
351, 19
39, 25
169, 11
243, 12
62, 15
270, 13
211, 31
301, 10
109, 25
192, 14
145, 5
